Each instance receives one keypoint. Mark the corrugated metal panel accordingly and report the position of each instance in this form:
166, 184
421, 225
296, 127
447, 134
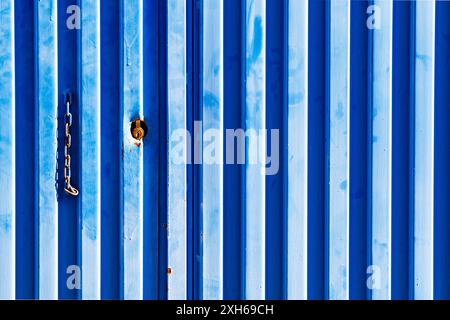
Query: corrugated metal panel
338, 148
212, 174
424, 149
295, 149
297, 138
90, 118
381, 175
7, 147
131, 167
46, 116
177, 201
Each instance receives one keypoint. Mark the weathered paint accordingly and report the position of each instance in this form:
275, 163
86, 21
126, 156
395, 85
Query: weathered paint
339, 148
178, 143
7, 153
90, 148
47, 122
297, 211
382, 151
255, 149
132, 151
169, 232
212, 173
424, 149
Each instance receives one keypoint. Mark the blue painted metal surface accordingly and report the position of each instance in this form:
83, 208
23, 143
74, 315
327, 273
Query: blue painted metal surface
338, 140
424, 67
7, 148
178, 150
132, 154
90, 148
212, 173
297, 185
255, 149
47, 144
347, 99
381, 175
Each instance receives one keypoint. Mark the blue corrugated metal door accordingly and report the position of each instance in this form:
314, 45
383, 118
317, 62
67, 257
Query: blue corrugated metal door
293, 149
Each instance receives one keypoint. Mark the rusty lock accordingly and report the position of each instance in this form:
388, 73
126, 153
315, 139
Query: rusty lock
139, 129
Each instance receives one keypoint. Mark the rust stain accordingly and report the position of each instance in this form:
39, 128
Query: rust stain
169, 271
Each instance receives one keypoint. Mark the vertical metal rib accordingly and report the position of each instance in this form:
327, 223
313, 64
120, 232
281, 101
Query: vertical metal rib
255, 120
7, 153
297, 206
132, 150
90, 148
424, 149
177, 149
47, 117
382, 151
212, 173
339, 148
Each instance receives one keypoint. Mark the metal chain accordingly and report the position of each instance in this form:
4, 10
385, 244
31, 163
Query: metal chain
68, 188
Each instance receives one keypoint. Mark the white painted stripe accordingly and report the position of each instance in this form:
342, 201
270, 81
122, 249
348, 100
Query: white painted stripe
47, 118
212, 183
424, 150
339, 148
7, 154
255, 122
132, 179
382, 151
90, 148
177, 150
297, 206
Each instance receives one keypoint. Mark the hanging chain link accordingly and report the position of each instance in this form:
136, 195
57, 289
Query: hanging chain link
68, 188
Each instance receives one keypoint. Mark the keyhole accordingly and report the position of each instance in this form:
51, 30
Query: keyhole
138, 129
